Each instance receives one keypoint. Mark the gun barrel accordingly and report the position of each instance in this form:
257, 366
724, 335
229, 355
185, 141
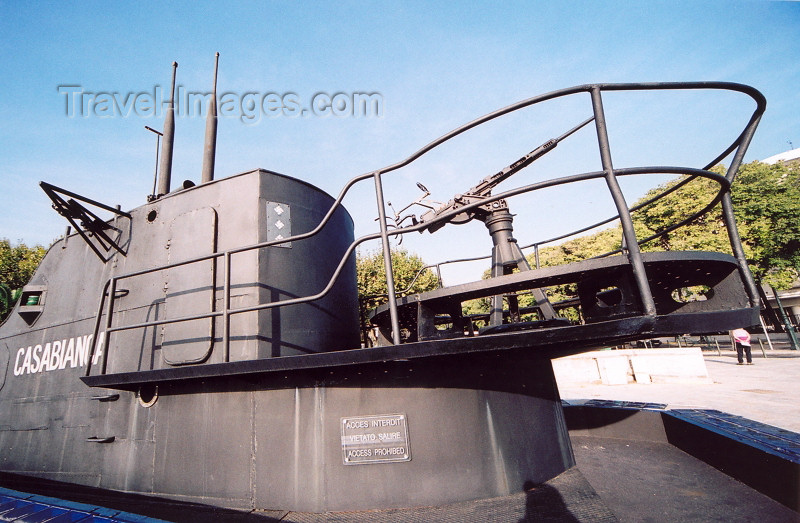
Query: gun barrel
484, 188
487, 184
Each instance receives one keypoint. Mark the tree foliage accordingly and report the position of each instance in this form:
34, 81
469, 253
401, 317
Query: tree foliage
408, 279
410, 276
766, 202
17, 265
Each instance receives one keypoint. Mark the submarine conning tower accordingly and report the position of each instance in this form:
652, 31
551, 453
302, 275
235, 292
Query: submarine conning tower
174, 266
247, 209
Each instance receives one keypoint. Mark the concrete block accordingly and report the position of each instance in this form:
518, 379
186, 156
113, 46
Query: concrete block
643, 366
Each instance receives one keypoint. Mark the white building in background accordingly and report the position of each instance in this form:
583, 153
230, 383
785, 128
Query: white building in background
787, 157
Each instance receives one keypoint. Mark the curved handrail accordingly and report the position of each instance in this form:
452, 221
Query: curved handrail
721, 179
739, 145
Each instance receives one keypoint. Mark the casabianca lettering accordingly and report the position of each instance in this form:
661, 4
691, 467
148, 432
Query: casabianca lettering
57, 355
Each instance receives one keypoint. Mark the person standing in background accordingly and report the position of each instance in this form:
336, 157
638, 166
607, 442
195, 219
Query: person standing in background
742, 339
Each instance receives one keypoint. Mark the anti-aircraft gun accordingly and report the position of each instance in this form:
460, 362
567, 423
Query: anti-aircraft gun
624, 290
495, 214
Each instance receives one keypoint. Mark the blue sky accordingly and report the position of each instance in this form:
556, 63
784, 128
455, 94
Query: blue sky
434, 65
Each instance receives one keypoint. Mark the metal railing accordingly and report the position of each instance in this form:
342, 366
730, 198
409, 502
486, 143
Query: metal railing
608, 173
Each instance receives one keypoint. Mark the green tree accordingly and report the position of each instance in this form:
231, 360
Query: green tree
580, 248
17, 265
410, 277
407, 269
766, 201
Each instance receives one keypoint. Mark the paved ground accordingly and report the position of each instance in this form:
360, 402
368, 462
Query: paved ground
767, 391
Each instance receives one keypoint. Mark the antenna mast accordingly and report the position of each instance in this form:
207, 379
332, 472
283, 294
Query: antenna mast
210, 150
169, 138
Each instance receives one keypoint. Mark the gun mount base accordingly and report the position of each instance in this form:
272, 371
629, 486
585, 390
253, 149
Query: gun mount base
606, 291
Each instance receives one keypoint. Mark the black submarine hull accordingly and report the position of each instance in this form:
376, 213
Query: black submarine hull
280, 416
635, 461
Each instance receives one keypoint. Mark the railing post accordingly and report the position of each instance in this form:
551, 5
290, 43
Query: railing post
766, 334
387, 261
112, 291
226, 306
628, 233
787, 325
96, 331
